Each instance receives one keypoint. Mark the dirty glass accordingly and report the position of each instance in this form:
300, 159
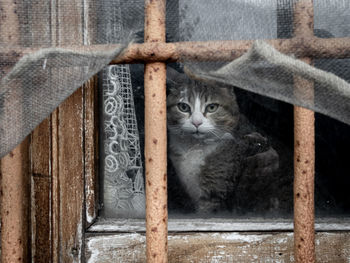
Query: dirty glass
246, 165
230, 147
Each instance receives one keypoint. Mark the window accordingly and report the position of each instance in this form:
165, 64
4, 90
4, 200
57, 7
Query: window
65, 192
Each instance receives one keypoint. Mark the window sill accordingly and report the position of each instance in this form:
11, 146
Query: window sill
217, 225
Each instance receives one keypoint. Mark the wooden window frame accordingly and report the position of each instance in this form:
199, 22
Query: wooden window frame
80, 190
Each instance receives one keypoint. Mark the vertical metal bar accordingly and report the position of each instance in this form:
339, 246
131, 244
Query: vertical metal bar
304, 149
14, 205
155, 138
15, 179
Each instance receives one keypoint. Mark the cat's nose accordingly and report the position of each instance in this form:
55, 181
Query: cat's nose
197, 119
197, 123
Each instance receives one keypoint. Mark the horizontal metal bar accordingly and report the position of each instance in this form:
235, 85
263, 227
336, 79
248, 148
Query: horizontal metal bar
312, 47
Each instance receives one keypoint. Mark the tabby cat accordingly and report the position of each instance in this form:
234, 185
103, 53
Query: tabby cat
212, 147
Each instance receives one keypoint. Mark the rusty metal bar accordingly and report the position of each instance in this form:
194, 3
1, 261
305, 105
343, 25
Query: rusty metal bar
299, 46
155, 139
304, 149
15, 205
228, 50
15, 179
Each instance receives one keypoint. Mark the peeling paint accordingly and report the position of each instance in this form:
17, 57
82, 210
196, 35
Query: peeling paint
217, 247
242, 237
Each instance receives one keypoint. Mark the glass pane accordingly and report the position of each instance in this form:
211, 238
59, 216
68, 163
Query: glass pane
230, 138
230, 151
123, 183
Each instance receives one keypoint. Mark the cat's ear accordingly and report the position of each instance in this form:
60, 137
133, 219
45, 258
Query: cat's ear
173, 77
232, 91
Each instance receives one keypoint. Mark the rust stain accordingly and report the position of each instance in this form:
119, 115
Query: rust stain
228, 50
304, 134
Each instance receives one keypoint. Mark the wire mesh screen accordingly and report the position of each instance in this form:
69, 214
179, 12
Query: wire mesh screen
60, 58
228, 20
263, 168
258, 77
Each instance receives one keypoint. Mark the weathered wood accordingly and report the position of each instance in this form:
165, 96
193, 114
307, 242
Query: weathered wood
91, 149
91, 128
55, 194
70, 177
68, 147
58, 203
217, 247
41, 192
215, 225
39, 34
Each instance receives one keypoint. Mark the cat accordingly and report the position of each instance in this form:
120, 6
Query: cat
212, 147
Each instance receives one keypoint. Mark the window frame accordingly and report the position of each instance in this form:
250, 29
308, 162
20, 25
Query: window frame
69, 176
303, 23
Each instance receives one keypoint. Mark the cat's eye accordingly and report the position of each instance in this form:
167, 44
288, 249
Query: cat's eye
212, 107
183, 107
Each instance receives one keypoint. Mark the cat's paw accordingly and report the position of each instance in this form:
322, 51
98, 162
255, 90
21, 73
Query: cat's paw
265, 163
261, 158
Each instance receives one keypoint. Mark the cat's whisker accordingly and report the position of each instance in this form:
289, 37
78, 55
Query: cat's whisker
215, 134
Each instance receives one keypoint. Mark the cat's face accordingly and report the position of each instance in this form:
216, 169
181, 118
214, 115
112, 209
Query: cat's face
199, 110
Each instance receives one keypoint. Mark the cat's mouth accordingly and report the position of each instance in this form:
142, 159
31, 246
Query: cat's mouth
198, 134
